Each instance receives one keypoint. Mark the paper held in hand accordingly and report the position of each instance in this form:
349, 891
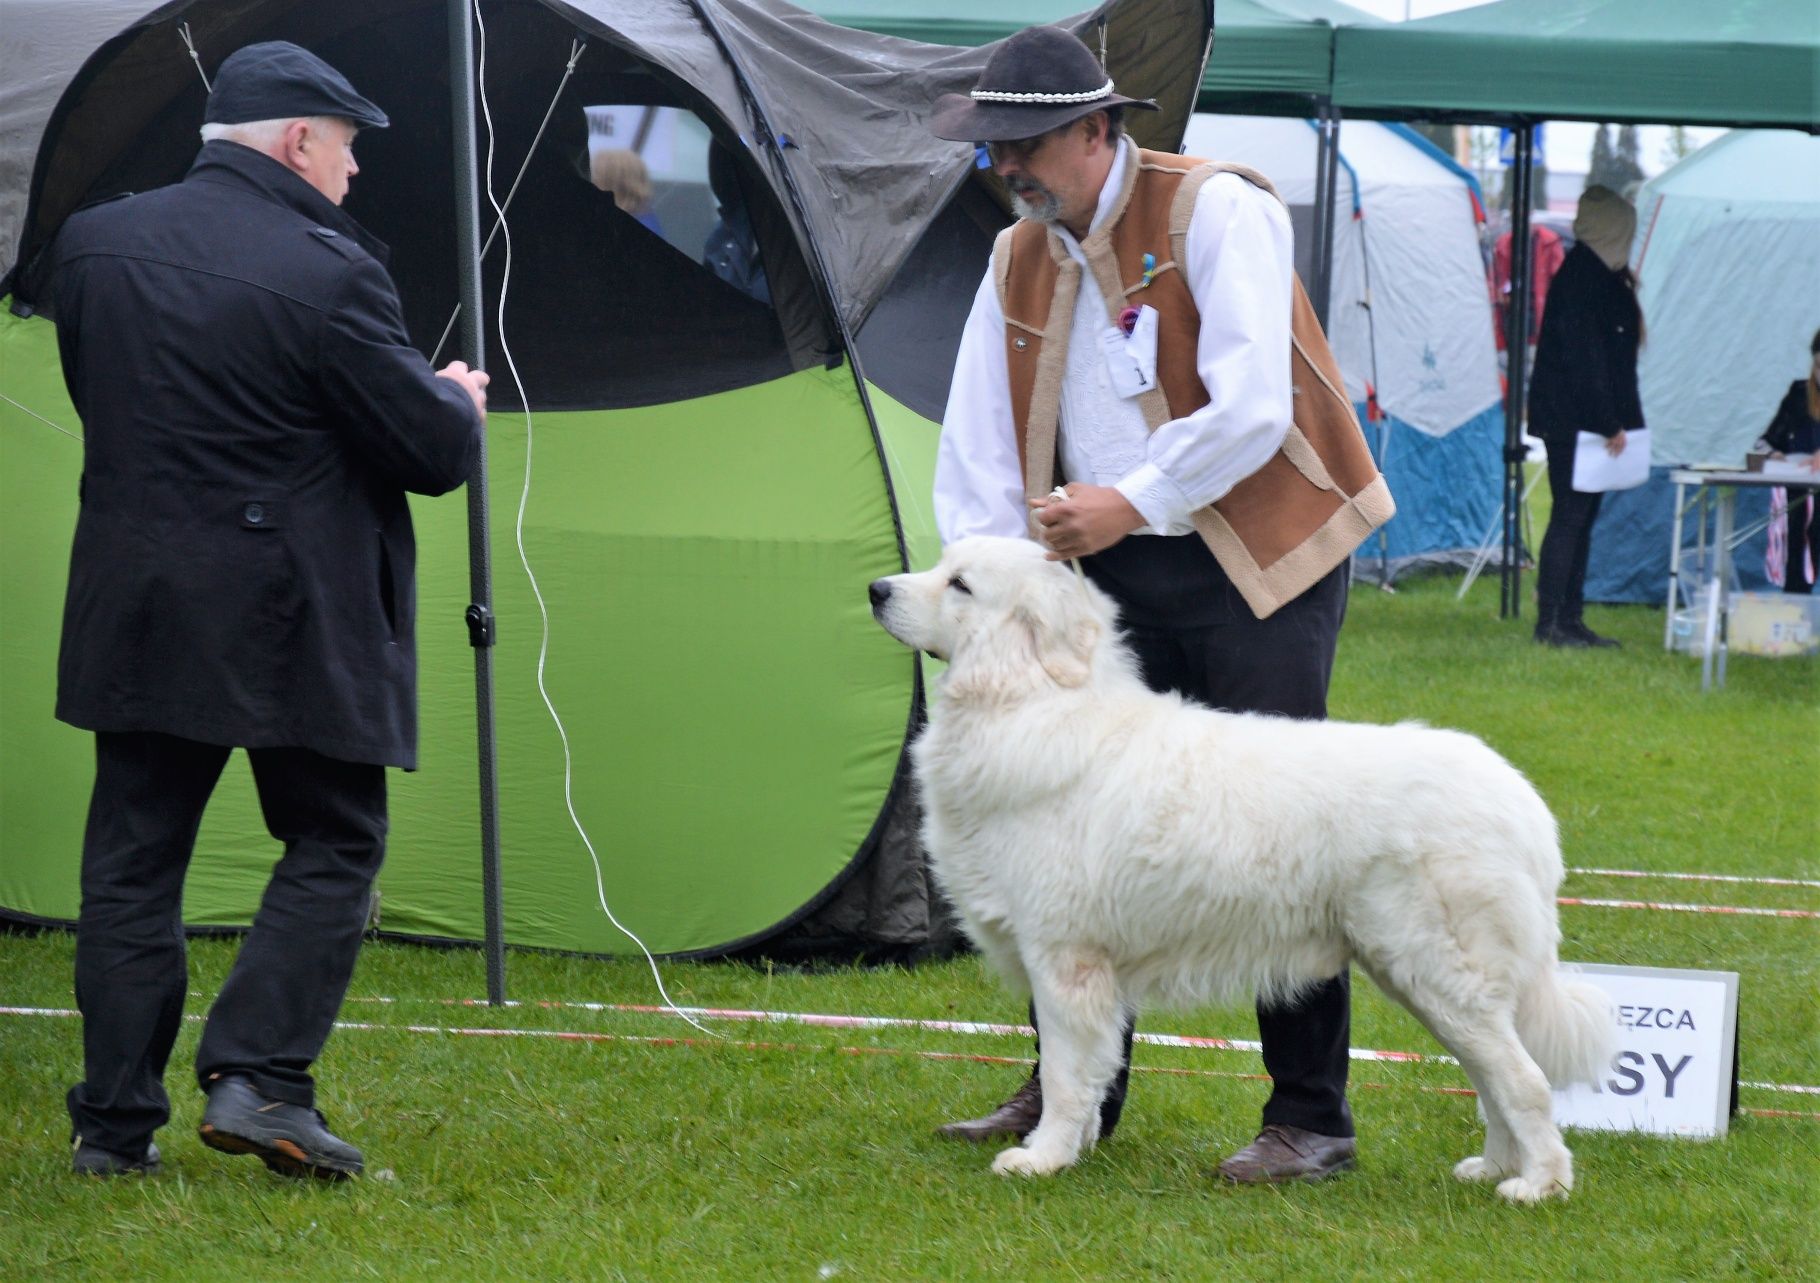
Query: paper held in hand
1595, 470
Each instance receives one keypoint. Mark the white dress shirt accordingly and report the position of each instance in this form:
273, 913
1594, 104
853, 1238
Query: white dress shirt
1240, 266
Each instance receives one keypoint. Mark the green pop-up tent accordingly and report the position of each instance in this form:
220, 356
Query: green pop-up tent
712, 483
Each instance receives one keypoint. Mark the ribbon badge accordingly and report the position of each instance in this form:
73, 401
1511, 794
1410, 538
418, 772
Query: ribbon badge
1149, 271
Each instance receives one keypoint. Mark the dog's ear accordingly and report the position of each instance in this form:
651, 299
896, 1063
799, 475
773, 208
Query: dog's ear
1064, 629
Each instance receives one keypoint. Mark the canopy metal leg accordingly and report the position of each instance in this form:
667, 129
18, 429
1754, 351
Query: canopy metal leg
481, 631
1516, 345
1326, 184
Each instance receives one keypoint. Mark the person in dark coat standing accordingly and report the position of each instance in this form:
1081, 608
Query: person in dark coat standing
242, 576
1585, 380
1796, 430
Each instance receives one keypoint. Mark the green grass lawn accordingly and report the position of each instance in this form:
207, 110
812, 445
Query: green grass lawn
793, 1152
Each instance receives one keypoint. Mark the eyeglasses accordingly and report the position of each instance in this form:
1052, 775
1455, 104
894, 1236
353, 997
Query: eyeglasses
1017, 150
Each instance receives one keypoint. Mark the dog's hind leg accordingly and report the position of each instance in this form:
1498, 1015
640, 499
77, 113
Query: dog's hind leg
1522, 1143
1499, 1157
1078, 1010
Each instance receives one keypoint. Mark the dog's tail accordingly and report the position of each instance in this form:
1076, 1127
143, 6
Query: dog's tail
1568, 1026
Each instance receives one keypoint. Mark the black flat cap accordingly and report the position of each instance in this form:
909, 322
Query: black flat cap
278, 80
1038, 79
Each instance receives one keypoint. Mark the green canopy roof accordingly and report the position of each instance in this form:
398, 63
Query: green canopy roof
1266, 52
1740, 62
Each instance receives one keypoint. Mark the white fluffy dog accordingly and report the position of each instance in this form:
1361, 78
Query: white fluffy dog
1108, 847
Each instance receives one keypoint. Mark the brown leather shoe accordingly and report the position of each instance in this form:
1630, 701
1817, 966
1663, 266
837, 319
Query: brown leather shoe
1289, 1154
1016, 1117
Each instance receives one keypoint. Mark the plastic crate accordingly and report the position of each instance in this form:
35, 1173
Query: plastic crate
1773, 624
1769, 624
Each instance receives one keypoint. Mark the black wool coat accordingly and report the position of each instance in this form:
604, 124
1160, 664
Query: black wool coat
243, 570
1793, 430
1585, 377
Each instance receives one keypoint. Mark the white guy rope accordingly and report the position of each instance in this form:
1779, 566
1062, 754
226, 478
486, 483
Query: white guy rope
26, 409
524, 497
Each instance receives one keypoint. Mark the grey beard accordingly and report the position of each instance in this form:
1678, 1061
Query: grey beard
1042, 206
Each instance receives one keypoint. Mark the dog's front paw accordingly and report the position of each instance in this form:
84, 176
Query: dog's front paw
1476, 1169
1028, 1162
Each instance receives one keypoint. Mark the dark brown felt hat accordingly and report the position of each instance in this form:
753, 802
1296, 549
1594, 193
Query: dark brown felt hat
1037, 80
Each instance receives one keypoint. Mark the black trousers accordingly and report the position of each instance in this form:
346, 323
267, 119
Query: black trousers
1803, 540
1561, 576
281, 997
1193, 633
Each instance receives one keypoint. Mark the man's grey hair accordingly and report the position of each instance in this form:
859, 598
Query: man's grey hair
262, 135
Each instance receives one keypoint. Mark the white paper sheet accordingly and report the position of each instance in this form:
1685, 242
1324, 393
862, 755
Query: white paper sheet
1596, 471
1795, 469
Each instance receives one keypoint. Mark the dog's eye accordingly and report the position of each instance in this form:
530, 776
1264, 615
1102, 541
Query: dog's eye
960, 585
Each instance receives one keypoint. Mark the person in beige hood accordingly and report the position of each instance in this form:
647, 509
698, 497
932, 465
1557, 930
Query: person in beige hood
1606, 224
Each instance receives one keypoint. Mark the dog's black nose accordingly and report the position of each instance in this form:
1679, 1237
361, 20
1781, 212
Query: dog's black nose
878, 590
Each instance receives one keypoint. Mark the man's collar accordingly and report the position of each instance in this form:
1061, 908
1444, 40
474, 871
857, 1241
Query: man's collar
1109, 191
1109, 196
234, 165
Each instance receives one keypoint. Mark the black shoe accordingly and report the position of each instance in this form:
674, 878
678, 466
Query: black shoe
1562, 638
1016, 1117
1587, 635
1289, 1154
91, 1160
292, 1139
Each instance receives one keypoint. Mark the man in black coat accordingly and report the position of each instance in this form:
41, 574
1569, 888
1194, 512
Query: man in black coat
242, 575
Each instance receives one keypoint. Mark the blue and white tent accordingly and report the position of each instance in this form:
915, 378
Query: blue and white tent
1409, 318
1728, 270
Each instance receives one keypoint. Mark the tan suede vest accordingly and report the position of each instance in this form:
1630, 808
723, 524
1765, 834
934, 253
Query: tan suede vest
1283, 527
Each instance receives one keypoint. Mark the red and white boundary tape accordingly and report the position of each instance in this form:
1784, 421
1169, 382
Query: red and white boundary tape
828, 1021
584, 1036
1660, 907
1696, 877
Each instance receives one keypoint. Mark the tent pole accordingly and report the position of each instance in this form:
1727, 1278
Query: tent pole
1326, 185
479, 614
1516, 347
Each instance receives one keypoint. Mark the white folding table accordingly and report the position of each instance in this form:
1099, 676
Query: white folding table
1720, 488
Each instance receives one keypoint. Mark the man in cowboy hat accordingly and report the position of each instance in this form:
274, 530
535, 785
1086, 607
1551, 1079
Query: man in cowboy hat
1133, 340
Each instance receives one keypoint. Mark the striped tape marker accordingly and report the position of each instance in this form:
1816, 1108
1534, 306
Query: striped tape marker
582, 1036
1696, 877
972, 1027
1660, 907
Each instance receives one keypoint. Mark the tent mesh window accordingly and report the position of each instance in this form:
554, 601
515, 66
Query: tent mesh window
607, 312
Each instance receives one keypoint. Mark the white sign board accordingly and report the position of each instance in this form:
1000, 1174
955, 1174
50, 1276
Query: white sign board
1673, 1071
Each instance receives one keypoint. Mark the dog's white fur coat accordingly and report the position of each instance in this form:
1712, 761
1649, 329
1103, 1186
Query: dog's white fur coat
1108, 847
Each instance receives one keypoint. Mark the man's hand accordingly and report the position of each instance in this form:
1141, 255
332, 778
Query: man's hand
1614, 445
1091, 518
474, 382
